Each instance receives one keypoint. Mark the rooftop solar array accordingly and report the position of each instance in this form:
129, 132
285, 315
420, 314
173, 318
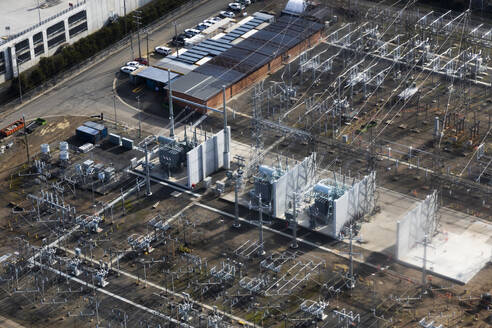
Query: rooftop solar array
216, 47
245, 57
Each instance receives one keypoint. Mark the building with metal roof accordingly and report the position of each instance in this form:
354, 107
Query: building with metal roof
155, 78
240, 65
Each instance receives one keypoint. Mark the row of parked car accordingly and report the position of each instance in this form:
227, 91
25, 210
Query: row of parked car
133, 65
235, 9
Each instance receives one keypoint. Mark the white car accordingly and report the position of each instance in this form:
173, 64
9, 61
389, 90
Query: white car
227, 14
215, 19
128, 69
133, 63
163, 50
209, 21
236, 6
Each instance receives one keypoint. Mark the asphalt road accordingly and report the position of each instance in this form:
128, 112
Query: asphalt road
91, 92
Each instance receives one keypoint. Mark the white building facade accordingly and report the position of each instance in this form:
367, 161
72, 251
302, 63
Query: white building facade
24, 48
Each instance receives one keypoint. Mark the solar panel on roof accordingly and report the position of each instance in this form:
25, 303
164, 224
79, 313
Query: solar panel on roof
186, 55
195, 51
212, 52
212, 47
249, 26
208, 48
188, 60
222, 46
218, 42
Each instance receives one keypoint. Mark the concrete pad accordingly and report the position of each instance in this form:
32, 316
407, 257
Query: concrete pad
379, 234
458, 256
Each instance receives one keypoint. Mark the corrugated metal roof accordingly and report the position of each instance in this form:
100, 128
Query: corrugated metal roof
94, 125
175, 66
156, 74
199, 86
88, 130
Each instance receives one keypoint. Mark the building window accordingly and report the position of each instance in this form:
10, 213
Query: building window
78, 29
21, 46
39, 50
56, 41
74, 19
2, 62
55, 29
37, 38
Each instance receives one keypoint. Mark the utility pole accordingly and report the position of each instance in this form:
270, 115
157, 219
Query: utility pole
137, 18
238, 177
19, 78
176, 38
139, 118
148, 57
39, 12
351, 277
294, 224
25, 137
170, 96
260, 208
147, 171
226, 133
114, 106
426, 243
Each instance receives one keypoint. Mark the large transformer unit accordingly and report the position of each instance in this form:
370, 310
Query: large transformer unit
322, 211
264, 180
172, 153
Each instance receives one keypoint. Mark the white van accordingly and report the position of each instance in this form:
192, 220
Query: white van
163, 50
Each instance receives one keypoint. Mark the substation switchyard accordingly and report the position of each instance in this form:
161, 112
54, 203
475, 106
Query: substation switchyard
322, 164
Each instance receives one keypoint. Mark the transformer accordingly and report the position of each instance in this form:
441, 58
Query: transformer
171, 153
322, 211
141, 243
89, 222
100, 277
73, 267
264, 180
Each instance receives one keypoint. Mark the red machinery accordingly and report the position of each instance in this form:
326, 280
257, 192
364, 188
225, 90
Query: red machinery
12, 128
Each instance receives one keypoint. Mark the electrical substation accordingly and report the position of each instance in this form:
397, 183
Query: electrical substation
322, 165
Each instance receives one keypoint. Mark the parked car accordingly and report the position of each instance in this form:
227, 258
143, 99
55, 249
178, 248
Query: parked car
215, 19
209, 21
245, 2
142, 61
236, 6
191, 32
164, 51
227, 14
133, 63
178, 40
128, 69
202, 26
